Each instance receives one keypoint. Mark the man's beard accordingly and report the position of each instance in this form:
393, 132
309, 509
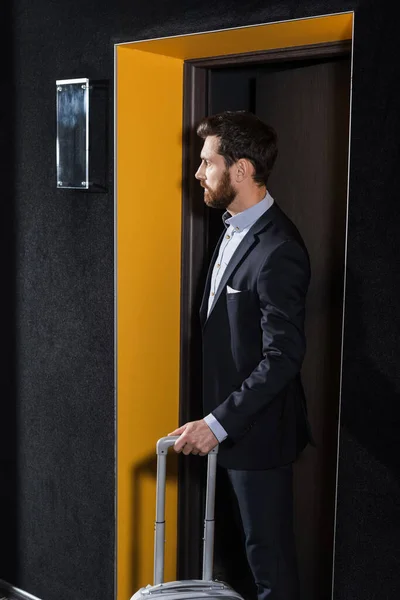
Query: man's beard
223, 196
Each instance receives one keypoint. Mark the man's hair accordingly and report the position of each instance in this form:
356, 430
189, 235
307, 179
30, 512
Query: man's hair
243, 135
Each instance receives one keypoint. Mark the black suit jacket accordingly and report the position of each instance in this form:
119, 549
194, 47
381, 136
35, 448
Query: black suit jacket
254, 345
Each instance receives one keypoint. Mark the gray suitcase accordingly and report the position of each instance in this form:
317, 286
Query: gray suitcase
193, 589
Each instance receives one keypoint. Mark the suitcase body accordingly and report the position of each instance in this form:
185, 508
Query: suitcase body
193, 589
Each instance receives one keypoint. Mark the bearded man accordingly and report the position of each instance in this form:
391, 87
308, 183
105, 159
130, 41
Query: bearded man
252, 318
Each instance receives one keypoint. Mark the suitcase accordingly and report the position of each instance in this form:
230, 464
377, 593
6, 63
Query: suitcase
193, 589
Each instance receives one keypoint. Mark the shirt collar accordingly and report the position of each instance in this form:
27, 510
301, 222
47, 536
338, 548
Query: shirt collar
248, 217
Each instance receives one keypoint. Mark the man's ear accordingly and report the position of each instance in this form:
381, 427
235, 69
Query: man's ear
243, 169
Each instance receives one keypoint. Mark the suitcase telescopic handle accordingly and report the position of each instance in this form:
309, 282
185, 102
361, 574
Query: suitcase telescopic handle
159, 528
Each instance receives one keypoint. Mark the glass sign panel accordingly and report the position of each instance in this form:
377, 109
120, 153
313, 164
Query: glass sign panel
72, 152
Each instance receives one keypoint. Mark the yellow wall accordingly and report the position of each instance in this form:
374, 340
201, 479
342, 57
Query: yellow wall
148, 270
149, 84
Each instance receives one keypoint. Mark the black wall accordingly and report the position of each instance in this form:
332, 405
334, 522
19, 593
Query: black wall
8, 469
368, 518
57, 409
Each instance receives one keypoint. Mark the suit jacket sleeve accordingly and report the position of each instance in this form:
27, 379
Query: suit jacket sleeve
282, 285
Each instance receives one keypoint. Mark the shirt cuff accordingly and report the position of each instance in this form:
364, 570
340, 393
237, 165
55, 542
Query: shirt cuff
216, 427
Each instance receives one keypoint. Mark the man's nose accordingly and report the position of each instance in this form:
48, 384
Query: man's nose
199, 174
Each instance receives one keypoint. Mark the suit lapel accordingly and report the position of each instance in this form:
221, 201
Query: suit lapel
204, 302
245, 246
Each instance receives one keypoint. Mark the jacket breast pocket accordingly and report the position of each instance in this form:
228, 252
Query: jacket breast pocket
236, 295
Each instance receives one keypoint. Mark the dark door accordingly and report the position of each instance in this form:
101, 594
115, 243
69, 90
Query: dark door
308, 104
309, 107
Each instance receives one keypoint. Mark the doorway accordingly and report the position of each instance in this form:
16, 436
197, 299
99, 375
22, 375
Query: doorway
304, 93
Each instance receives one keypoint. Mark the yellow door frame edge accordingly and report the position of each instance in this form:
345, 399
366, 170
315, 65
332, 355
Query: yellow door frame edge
185, 35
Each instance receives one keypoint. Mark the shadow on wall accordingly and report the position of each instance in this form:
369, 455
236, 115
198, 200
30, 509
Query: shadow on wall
140, 473
8, 415
367, 558
371, 404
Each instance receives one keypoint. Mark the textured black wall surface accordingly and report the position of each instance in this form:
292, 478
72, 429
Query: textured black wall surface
8, 469
368, 517
57, 416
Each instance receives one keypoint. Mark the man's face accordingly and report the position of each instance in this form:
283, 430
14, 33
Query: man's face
214, 176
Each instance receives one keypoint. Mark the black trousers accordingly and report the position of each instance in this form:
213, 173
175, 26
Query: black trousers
254, 542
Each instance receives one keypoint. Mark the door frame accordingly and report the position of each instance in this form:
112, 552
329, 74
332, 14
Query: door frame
195, 245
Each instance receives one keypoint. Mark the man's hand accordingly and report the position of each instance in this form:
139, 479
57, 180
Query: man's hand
195, 437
